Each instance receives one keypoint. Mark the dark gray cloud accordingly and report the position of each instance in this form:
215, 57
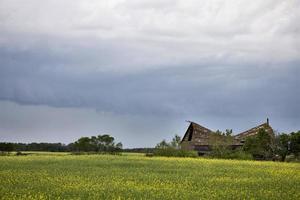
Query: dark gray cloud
150, 64
39, 76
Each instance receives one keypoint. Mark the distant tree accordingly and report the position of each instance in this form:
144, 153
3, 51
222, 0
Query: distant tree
261, 145
100, 143
84, 144
171, 149
282, 143
251, 145
106, 142
119, 145
71, 147
2, 146
295, 143
218, 133
162, 145
6, 147
228, 132
94, 143
175, 143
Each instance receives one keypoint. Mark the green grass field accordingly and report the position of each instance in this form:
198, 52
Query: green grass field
133, 176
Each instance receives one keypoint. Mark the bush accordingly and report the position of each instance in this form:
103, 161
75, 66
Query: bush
19, 153
171, 152
240, 155
237, 154
96, 153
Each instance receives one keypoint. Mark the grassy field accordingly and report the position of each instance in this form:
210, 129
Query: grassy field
133, 176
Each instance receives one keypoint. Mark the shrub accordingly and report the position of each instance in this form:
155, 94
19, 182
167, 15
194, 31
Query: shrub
19, 153
96, 153
171, 152
149, 154
240, 155
237, 154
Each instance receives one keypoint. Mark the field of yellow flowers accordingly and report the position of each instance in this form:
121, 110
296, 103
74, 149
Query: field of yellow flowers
63, 176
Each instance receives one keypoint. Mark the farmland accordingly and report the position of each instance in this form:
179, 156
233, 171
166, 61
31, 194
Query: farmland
134, 176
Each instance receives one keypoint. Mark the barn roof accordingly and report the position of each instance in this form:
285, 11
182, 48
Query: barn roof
198, 137
195, 129
254, 131
199, 127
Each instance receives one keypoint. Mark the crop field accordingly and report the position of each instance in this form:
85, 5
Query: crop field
63, 176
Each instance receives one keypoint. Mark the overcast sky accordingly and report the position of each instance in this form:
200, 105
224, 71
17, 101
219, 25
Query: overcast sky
137, 69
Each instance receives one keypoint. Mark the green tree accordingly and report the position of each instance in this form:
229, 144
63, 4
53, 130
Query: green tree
106, 142
119, 145
282, 143
295, 143
83, 144
228, 132
261, 145
100, 143
162, 145
6, 147
175, 143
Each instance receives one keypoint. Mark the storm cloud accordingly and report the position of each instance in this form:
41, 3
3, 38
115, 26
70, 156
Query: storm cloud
155, 63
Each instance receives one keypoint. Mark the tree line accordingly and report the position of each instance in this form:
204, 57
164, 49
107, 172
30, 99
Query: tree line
100, 143
53, 147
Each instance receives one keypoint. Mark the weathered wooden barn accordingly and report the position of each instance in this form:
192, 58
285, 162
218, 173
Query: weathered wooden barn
198, 138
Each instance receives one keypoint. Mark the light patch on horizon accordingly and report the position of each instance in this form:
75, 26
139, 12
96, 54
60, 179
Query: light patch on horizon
26, 123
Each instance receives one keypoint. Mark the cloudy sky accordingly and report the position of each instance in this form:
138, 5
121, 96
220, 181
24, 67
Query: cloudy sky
137, 69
